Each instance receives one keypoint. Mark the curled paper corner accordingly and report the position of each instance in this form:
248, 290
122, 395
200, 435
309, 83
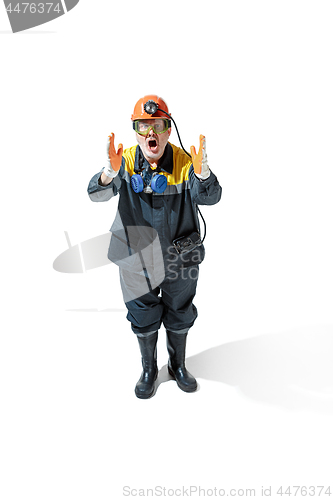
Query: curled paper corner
25, 15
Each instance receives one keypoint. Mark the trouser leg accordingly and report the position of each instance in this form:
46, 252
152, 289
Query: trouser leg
177, 296
144, 311
175, 308
180, 314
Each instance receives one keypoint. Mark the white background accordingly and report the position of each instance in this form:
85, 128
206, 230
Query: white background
256, 78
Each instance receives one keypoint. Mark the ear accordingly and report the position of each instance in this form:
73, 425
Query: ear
169, 131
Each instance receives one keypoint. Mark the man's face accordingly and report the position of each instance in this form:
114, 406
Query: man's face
152, 144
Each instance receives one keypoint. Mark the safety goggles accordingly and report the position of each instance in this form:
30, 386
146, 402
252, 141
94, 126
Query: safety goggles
159, 126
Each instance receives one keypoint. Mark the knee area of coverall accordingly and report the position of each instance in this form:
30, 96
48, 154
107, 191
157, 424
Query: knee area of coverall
180, 321
174, 307
145, 314
177, 314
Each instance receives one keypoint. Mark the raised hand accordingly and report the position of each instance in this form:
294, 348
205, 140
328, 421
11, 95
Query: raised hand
199, 160
114, 157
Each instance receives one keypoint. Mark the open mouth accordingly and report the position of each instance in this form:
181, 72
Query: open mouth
152, 145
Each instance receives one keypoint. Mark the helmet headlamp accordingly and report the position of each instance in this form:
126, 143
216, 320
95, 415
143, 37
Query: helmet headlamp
150, 107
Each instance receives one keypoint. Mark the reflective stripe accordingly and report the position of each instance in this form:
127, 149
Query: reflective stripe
101, 195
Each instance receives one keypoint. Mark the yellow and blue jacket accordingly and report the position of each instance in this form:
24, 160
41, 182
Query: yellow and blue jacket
163, 216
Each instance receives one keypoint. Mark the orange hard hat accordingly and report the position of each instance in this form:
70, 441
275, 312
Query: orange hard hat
140, 113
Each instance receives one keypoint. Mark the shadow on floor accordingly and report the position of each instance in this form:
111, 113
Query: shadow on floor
292, 370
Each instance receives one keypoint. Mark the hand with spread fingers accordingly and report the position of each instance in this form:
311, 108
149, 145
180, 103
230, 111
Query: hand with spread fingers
114, 158
200, 165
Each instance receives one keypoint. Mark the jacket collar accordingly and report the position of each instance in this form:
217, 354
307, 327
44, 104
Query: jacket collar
165, 163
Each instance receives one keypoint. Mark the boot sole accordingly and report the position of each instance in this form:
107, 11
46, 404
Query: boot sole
183, 388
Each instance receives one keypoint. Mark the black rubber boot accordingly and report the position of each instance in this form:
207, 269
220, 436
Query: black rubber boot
176, 343
145, 387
